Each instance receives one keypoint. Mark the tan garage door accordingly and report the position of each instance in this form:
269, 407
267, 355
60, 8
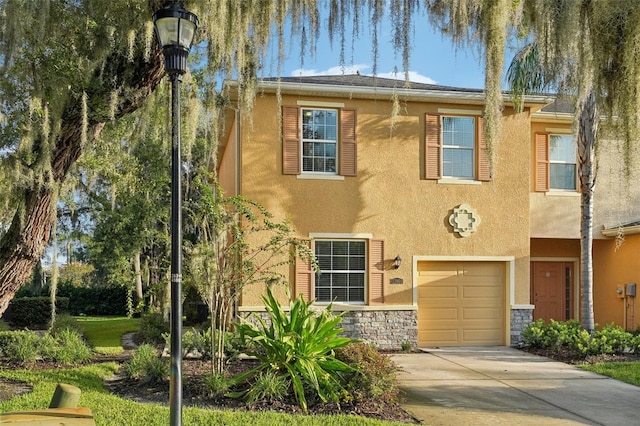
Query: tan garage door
461, 303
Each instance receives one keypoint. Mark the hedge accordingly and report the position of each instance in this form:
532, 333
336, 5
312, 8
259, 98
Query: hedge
110, 300
33, 312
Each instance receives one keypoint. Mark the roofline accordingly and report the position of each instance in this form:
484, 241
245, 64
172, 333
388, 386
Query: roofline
546, 115
626, 230
476, 97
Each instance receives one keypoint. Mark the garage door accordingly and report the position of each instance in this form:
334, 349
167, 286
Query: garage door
461, 303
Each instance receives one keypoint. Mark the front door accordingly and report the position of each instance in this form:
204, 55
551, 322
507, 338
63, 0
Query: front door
552, 290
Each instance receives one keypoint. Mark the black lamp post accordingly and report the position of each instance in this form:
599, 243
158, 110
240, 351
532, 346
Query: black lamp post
175, 28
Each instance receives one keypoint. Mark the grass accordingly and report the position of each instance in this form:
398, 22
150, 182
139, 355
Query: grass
105, 333
628, 372
109, 409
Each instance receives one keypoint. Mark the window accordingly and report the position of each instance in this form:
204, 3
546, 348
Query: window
352, 270
455, 148
342, 271
319, 140
555, 162
562, 162
458, 146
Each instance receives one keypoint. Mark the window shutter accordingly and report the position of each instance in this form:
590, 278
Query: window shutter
484, 160
347, 144
303, 279
542, 162
291, 140
376, 272
432, 147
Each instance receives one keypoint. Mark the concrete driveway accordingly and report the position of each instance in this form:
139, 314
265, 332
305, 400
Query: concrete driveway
505, 386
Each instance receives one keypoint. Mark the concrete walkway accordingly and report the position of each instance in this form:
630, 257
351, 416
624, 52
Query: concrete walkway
505, 386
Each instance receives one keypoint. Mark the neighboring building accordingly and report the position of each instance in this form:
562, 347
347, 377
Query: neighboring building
469, 225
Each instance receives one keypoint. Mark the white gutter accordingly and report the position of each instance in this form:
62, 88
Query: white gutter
626, 230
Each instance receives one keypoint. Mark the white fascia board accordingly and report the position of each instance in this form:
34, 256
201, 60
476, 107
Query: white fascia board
377, 92
626, 230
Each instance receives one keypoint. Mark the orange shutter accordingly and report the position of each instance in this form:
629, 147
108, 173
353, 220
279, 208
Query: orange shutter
376, 272
290, 140
348, 148
303, 279
541, 177
432, 147
484, 160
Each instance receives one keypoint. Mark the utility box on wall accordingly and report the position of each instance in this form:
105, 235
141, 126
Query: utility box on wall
630, 289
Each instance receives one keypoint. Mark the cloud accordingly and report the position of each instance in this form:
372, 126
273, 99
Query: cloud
364, 70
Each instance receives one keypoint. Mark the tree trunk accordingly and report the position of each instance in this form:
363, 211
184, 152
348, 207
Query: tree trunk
587, 133
25, 240
138, 271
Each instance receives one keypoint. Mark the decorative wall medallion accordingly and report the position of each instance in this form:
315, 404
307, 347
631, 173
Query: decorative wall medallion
464, 220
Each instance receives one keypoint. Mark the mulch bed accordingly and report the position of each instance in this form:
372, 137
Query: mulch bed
193, 394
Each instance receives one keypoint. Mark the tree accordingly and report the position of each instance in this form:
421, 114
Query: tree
588, 53
68, 68
233, 243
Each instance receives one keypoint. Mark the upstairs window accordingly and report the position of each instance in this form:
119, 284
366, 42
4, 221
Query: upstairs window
319, 140
455, 148
458, 147
555, 162
562, 162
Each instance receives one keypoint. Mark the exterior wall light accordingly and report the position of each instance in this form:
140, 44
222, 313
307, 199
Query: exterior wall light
396, 262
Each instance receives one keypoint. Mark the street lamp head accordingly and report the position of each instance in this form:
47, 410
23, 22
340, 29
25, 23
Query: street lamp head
175, 28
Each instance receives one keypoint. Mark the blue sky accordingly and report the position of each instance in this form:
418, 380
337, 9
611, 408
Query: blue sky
433, 58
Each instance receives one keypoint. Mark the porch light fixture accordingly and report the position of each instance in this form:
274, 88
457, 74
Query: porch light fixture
175, 28
396, 262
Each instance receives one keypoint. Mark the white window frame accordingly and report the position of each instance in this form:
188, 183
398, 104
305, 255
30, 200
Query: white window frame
364, 272
304, 140
575, 163
473, 148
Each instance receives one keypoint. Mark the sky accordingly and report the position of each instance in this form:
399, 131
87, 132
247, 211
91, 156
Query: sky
433, 60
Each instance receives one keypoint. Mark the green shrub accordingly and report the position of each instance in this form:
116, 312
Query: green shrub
554, 336
33, 312
152, 327
373, 376
269, 387
19, 346
66, 322
146, 365
571, 336
299, 345
634, 344
216, 384
71, 348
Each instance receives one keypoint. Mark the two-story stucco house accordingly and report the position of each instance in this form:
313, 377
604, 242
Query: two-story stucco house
423, 232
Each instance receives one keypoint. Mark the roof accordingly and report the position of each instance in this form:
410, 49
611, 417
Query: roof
368, 81
368, 87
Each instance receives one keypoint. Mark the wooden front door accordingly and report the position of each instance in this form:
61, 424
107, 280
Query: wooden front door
552, 290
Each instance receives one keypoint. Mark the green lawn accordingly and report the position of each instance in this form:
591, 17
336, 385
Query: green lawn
105, 333
109, 409
628, 372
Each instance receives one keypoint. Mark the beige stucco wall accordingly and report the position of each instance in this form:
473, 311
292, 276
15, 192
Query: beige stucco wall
616, 198
227, 172
390, 198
